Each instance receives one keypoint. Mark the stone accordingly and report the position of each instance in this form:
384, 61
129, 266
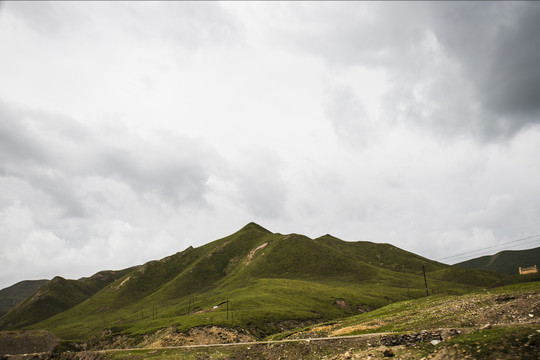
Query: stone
388, 353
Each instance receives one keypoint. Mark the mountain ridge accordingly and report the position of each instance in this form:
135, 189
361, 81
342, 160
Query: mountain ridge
271, 278
56, 295
504, 262
14, 294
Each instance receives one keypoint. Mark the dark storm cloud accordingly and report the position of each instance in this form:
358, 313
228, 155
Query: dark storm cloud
498, 46
56, 155
488, 87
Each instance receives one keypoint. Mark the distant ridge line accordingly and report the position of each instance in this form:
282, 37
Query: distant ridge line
494, 246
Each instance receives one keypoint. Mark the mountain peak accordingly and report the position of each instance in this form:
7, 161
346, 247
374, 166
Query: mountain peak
255, 226
328, 237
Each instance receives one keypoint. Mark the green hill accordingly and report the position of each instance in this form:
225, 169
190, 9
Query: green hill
56, 296
258, 280
504, 262
11, 296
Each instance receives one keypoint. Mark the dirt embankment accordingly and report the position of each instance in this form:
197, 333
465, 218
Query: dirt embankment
196, 336
172, 337
25, 342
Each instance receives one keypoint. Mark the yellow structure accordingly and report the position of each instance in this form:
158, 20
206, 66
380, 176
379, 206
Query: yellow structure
528, 270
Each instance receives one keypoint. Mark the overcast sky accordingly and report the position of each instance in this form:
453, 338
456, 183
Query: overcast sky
130, 131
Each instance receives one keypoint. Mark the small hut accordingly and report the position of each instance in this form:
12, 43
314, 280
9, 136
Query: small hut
528, 270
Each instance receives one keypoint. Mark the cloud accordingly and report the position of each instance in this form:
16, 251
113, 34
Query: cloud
72, 192
42, 16
454, 68
497, 46
173, 168
124, 124
260, 184
350, 34
187, 25
348, 117
190, 25
56, 155
29, 250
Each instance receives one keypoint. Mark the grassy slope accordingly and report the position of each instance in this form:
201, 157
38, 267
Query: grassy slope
504, 262
11, 296
269, 278
512, 341
438, 311
54, 297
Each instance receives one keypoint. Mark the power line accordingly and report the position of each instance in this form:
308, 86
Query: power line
489, 247
494, 246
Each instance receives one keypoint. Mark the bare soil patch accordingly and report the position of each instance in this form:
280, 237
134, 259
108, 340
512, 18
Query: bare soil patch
24, 342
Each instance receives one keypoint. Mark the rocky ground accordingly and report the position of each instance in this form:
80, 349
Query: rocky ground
521, 342
26, 342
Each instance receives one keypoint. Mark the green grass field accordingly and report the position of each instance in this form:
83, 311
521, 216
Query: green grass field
267, 278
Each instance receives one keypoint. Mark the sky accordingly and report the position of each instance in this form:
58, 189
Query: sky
130, 131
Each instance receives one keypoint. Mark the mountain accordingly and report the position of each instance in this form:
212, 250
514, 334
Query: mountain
504, 262
11, 296
254, 279
55, 296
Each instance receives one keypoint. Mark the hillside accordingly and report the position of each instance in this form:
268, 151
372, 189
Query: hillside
500, 323
255, 279
56, 296
14, 294
504, 262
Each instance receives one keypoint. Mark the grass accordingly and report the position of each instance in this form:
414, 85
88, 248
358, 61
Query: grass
56, 296
425, 313
269, 279
11, 296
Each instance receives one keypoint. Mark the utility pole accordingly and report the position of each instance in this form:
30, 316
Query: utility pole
425, 280
227, 309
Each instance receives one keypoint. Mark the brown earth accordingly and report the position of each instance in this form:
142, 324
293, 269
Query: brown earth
26, 342
520, 343
172, 337
196, 336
